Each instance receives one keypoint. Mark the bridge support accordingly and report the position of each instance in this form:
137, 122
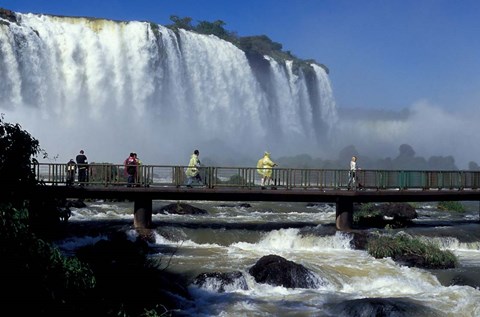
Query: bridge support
142, 214
344, 214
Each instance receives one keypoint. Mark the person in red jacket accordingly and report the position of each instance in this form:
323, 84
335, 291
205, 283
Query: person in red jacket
130, 170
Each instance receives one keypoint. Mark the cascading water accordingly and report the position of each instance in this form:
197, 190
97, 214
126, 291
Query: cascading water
113, 87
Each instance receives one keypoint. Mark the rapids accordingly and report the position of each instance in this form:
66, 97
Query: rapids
233, 237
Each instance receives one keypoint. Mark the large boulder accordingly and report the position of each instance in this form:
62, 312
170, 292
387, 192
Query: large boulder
76, 203
398, 211
221, 282
359, 239
383, 307
277, 271
393, 215
182, 209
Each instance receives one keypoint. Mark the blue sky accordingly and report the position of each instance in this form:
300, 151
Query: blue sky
382, 54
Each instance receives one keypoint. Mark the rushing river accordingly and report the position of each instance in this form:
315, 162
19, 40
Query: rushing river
234, 236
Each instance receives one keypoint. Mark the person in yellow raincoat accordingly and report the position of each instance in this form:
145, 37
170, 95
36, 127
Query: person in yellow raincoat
192, 171
264, 168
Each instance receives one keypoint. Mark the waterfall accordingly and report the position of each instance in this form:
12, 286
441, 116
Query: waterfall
113, 87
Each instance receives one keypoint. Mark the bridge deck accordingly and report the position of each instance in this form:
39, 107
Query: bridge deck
154, 182
257, 194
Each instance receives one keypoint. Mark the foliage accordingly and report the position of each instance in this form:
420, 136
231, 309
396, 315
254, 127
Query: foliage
403, 246
51, 282
252, 45
235, 180
17, 164
451, 206
366, 210
405, 160
415, 204
18, 148
37, 279
260, 44
128, 283
216, 28
181, 23
154, 28
473, 166
298, 161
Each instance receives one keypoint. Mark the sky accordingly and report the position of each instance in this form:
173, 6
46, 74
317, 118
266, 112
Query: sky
384, 56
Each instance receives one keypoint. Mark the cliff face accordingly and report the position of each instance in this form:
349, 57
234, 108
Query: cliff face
8, 15
95, 74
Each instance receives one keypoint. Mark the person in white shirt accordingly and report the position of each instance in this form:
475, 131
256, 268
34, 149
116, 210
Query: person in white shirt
353, 173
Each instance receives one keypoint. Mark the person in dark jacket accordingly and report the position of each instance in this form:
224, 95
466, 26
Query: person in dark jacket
71, 170
82, 165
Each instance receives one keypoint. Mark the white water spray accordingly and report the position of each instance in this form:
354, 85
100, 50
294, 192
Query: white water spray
114, 87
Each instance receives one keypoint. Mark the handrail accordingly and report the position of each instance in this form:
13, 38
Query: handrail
248, 177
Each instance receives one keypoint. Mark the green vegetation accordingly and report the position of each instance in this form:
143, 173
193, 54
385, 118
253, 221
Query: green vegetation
413, 251
366, 210
405, 160
106, 279
18, 147
451, 206
154, 28
415, 204
252, 45
50, 281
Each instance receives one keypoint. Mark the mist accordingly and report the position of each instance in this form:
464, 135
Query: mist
111, 88
429, 129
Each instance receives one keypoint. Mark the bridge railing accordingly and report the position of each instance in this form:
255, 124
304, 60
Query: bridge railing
248, 177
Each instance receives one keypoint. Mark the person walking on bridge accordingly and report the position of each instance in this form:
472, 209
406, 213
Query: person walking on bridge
353, 180
192, 171
264, 168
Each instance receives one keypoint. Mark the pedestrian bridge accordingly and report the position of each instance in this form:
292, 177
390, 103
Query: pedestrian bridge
160, 182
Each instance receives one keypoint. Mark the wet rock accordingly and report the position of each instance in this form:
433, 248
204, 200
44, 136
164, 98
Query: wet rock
277, 271
123, 274
240, 205
320, 205
77, 203
398, 210
8, 15
383, 307
64, 213
393, 215
181, 209
220, 282
465, 280
359, 240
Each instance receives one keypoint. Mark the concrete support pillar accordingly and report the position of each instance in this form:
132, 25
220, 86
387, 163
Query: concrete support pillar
142, 214
344, 214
